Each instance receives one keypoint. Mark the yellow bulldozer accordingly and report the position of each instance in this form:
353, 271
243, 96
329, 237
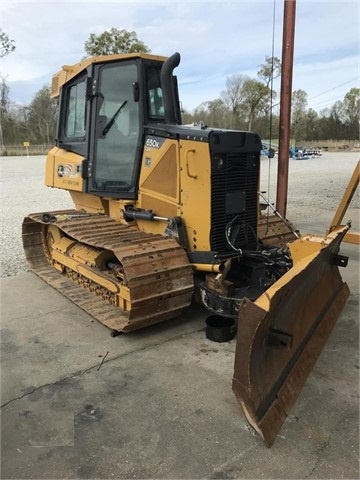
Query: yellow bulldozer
166, 214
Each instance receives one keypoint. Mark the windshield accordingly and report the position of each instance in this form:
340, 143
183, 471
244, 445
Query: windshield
117, 128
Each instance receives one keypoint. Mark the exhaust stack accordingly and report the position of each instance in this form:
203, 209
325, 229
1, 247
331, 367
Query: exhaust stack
167, 85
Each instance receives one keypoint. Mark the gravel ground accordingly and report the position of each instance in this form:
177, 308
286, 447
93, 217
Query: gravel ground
315, 189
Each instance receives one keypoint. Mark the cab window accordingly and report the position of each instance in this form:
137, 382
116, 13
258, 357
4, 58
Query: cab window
154, 95
75, 126
117, 127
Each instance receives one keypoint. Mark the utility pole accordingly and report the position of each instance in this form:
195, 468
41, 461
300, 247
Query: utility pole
285, 105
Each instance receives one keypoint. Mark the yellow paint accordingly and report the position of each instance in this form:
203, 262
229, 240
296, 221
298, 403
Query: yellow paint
97, 278
89, 203
211, 267
123, 303
195, 193
265, 299
49, 167
64, 259
116, 209
58, 266
63, 170
189, 155
70, 71
305, 246
126, 296
303, 252
76, 266
175, 181
159, 184
53, 235
353, 237
89, 255
159, 172
63, 244
81, 258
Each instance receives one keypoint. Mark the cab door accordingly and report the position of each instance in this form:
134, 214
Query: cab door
114, 150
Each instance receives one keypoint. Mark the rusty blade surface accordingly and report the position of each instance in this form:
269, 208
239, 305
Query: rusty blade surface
281, 335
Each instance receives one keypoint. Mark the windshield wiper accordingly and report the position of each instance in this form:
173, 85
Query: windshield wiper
112, 119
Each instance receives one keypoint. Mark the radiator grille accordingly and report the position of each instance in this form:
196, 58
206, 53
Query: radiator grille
234, 197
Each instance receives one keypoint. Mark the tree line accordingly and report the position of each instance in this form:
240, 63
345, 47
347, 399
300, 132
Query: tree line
245, 103
341, 121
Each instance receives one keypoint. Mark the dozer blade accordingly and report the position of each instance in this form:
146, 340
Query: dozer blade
281, 334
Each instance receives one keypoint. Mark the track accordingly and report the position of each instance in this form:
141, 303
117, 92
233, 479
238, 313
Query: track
273, 231
152, 281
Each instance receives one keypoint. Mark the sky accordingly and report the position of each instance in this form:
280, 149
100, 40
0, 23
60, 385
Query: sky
216, 39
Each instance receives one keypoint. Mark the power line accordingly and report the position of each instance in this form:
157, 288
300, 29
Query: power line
334, 88
326, 102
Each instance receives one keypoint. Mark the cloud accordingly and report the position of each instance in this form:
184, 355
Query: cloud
216, 39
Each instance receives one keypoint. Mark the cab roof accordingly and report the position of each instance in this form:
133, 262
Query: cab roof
70, 71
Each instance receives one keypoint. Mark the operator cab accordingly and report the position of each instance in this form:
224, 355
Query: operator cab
103, 111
